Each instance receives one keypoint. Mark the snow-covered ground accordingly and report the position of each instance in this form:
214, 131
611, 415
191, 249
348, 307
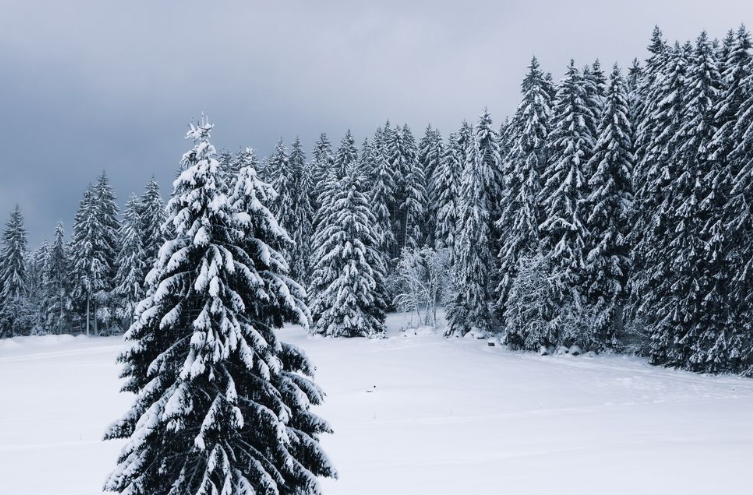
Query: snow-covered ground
417, 415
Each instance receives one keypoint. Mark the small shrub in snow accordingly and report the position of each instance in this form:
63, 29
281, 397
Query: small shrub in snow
422, 275
561, 351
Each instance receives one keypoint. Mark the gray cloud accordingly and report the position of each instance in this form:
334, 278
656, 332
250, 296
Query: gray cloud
89, 85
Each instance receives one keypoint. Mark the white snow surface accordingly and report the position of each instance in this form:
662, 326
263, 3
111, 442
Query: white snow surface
416, 414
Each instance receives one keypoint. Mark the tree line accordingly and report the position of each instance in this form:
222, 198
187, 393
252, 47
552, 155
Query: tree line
611, 212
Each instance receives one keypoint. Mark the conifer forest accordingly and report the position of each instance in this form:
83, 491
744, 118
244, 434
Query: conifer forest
600, 235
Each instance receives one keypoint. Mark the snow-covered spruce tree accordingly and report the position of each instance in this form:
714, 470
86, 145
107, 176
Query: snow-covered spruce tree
151, 211
222, 406
506, 135
529, 307
245, 157
488, 150
520, 216
646, 101
473, 261
596, 90
740, 224
13, 281
608, 209
94, 241
735, 71
599, 78
413, 207
632, 83
346, 156
633, 78
303, 209
724, 343
226, 161
281, 177
486, 141
655, 144
430, 152
57, 284
347, 286
367, 161
382, 197
399, 159
129, 278
550, 86
693, 299
278, 299
381, 140
34, 317
322, 162
446, 187
563, 230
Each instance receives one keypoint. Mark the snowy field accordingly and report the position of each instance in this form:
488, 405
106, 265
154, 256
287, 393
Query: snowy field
417, 415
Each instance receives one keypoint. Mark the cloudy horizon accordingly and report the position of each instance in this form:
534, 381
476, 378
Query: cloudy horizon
90, 87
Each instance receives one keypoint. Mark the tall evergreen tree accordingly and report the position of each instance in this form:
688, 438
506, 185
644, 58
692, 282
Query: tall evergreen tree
367, 161
129, 277
303, 209
281, 176
348, 279
430, 153
738, 77
152, 215
506, 135
226, 161
550, 86
652, 78
596, 90
520, 210
723, 343
693, 296
34, 319
13, 277
400, 156
57, 283
323, 161
346, 155
608, 208
446, 191
222, 405
414, 205
382, 138
633, 83
655, 137
563, 230
487, 148
473, 260
382, 197
94, 242
246, 157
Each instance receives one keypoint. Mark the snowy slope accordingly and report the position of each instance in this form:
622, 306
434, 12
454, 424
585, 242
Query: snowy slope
417, 415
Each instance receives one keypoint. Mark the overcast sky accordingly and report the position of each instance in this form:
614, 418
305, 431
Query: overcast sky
92, 85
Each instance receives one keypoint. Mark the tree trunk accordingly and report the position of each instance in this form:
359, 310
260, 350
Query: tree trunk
60, 318
87, 315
